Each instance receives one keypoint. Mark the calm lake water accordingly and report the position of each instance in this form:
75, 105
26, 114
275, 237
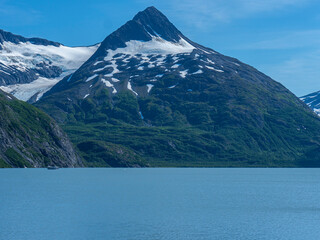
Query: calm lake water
139, 204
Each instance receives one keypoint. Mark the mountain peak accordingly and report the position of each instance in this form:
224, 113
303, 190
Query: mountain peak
149, 13
157, 24
145, 26
150, 10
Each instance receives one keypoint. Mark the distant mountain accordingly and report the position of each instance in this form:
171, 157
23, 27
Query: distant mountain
150, 91
313, 101
30, 138
31, 66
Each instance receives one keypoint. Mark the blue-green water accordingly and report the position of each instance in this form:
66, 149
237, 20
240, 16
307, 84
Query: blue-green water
139, 204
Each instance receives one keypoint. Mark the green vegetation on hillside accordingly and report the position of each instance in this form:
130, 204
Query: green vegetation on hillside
29, 137
204, 129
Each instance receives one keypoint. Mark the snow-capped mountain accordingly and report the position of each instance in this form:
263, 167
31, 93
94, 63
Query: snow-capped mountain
313, 101
145, 51
150, 94
31, 66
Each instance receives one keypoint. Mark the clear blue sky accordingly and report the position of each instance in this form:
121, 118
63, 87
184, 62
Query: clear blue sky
279, 37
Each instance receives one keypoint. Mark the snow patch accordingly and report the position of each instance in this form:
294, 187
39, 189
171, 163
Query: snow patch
130, 88
197, 72
155, 46
101, 69
184, 73
173, 86
209, 61
149, 86
115, 80
175, 59
97, 62
92, 77
109, 84
212, 68
115, 68
204, 51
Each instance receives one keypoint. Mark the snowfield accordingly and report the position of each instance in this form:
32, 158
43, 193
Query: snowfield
156, 46
26, 56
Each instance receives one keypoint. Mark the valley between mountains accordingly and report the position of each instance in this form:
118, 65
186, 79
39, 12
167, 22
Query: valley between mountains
148, 96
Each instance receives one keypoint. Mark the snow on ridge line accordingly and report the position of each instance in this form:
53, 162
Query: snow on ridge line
155, 46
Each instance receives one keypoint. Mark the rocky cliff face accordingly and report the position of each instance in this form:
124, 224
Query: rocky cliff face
30, 138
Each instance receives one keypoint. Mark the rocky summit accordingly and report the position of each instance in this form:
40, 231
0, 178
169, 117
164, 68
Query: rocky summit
149, 96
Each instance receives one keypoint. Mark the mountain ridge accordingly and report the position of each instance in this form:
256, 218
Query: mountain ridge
10, 37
